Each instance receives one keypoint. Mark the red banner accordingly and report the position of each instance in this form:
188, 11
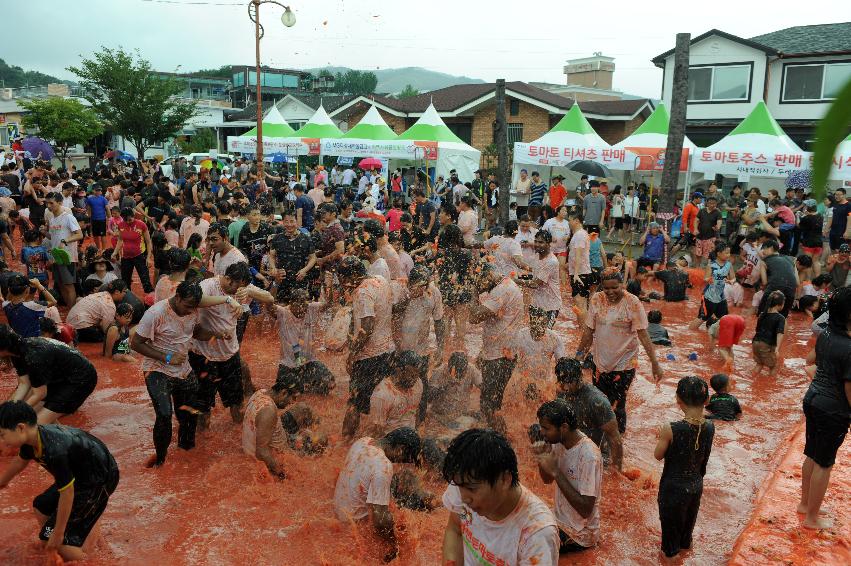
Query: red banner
653, 158
314, 147
430, 148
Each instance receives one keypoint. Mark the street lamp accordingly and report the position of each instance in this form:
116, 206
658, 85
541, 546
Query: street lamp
288, 19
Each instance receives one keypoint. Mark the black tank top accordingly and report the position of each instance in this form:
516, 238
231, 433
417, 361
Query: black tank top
780, 271
685, 460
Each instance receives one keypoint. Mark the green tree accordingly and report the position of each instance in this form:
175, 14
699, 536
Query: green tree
13, 76
64, 121
131, 99
355, 82
408, 92
830, 132
306, 82
203, 140
223, 72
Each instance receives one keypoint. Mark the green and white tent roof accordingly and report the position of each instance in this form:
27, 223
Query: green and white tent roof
430, 127
274, 126
573, 130
654, 132
371, 127
759, 133
320, 126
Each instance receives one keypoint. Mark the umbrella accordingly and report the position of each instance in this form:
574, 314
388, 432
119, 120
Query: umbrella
124, 156
276, 157
37, 145
370, 163
208, 163
588, 167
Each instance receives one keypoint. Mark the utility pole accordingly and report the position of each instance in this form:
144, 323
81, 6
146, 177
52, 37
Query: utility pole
500, 138
677, 126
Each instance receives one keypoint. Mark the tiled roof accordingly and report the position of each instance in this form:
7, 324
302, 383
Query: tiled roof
822, 38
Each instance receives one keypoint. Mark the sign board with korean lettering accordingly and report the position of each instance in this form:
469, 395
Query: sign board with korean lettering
759, 164
558, 156
653, 158
287, 146
389, 149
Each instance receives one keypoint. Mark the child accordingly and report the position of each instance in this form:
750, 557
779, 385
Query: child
34, 256
728, 330
658, 333
84, 476
675, 280
406, 262
116, 344
512, 211
63, 331
685, 446
722, 405
719, 270
769, 334
634, 285
172, 236
112, 226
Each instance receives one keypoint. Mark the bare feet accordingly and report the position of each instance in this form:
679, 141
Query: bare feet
802, 509
820, 523
153, 462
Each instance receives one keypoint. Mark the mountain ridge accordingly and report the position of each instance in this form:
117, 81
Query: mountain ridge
394, 80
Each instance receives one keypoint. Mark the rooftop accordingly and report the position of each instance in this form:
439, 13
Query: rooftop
821, 38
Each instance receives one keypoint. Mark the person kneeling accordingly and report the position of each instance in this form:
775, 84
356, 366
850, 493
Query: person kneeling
262, 431
84, 472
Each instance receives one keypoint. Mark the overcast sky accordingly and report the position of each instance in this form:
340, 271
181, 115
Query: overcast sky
527, 41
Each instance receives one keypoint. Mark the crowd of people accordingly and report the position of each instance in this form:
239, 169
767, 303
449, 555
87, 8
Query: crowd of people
167, 273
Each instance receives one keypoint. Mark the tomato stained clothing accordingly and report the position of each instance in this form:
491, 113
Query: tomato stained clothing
132, 237
364, 480
579, 257
391, 408
582, 465
615, 346
218, 319
258, 402
167, 332
189, 226
503, 250
374, 298
451, 392
547, 297
537, 357
97, 309
506, 302
528, 535
165, 289
391, 256
416, 321
221, 262
296, 334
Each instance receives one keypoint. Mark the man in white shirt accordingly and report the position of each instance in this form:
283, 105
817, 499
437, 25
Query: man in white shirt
526, 237
522, 188
468, 221
64, 233
570, 459
545, 282
579, 262
348, 177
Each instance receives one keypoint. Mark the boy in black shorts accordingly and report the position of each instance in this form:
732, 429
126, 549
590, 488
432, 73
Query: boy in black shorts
84, 472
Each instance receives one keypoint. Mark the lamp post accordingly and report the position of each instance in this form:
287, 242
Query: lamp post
288, 19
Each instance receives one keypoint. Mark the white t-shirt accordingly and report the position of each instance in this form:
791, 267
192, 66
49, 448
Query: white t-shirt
168, 332
582, 465
348, 177
217, 319
61, 228
380, 267
523, 238
416, 321
537, 357
365, 479
406, 264
528, 535
391, 408
560, 231
222, 261
468, 221
506, 302
548, 296
503, 250
580, 244
298, 332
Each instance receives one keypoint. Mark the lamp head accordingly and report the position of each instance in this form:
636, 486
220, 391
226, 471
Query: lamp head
288, 17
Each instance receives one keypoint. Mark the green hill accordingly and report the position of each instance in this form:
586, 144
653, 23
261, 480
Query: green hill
394, 80
12, 76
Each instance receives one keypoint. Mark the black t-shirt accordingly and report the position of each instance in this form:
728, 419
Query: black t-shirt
71, 455
634, 286
254, 244
291, 255
658, 334
4, 281
413, 240
768, 326
593, 410
13, 181
780, 271
833, 371
706, 222
48, 361
810, 226
156, 210
423, 214
675, 283
724, 406
840, 218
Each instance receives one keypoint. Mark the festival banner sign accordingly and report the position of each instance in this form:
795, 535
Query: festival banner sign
767, 164
287, 146
559, 156
389, 149
653, 158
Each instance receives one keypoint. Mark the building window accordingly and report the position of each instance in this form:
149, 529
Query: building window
721, 83
515, 134
814, 82
238, 79
513, 107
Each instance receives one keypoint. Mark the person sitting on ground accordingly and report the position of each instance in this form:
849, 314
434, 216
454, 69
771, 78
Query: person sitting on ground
116, 343
450, 388
395, 402
536, 349
768, 338
364, 484
728, 330
654, 240
93, 314
24, 313
489, 508
593, 410
675, 280
297, 420
51, 375
101, 271
722, 405
84, 477
573, 462
634, 285
685, 446
63, 332
296, 323
658, 333
262, 430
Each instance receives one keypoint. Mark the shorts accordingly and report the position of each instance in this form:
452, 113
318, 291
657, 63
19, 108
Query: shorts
618, 222
815, 252
548, 316
710, 311
366, 375
686, 240
92, 334
763, 354
224, 378
313, 377
730, 330
825, 433
583, 288
64, 274
98, 227
89, 504
495, 377
65, 398
704, 247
